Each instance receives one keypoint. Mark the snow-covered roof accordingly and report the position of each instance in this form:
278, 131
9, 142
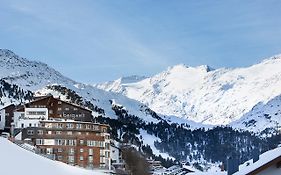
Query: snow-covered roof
266, 159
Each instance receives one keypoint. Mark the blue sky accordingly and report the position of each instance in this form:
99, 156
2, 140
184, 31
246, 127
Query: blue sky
100, 40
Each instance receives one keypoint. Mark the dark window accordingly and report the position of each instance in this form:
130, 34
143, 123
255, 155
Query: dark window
29, 132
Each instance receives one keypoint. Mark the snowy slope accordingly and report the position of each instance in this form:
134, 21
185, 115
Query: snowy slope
262, 116
15, 161
205, 95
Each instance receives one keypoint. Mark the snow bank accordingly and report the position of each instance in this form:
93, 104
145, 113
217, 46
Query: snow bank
15, 160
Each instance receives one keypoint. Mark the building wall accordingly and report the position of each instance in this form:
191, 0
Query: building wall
272, 170
47, 136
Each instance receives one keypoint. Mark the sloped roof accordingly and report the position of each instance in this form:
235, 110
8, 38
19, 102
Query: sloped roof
266, 160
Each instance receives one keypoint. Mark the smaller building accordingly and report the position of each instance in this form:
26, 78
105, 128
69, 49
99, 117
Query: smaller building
269, 163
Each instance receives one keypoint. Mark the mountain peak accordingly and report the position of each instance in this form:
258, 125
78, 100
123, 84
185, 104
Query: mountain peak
205, 68
181, 67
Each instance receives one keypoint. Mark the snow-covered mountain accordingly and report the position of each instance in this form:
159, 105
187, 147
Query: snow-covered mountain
28, 74
38, 77
182, 97
241, 97
209, 96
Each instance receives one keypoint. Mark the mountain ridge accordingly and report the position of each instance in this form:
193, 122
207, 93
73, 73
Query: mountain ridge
218, 96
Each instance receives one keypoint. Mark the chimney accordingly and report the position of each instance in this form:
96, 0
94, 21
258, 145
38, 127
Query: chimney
232, 165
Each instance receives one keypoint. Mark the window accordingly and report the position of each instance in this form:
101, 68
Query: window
60, 125
81, 142
39, 142
88, 126
71, 159
81, 150
30, 132
102, 153
49, 132
69, 132
96, 128
107, 154
30, 124
90, 159
36, 113
72, 142
79, 133
51, 111
91, 152
75, 109
69, 125
22, 125
102, 160
59, 142
71, 151
60, 158
58, 132
40, 132
59, 150
67, 109
78, 126
107, 145
48, 125
81, 158
59, 109
59, 102
49, 150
